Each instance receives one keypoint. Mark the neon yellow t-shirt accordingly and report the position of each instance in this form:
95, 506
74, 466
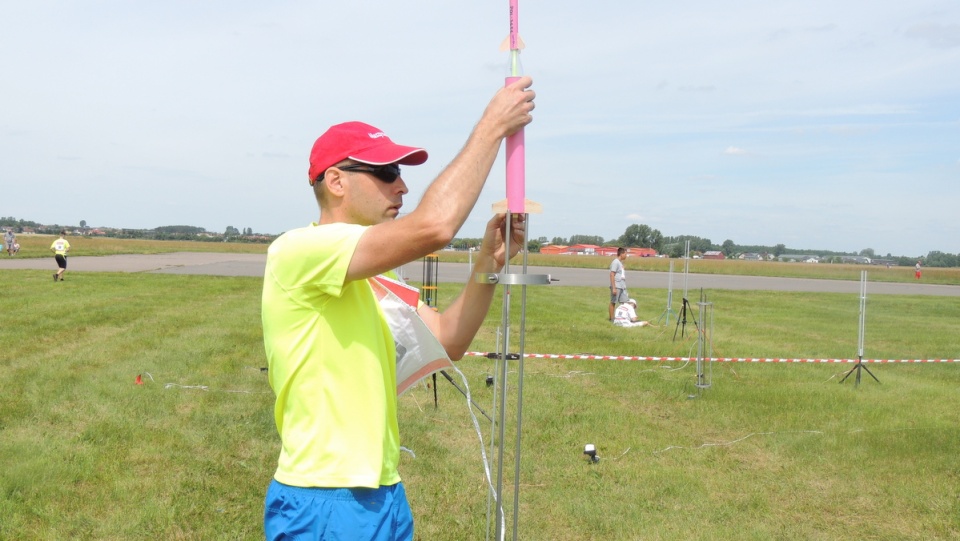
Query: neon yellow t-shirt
332, 364
60, 246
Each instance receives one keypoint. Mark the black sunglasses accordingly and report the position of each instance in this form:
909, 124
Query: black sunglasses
384, 173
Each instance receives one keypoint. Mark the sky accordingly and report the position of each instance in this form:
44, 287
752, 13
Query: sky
820, 125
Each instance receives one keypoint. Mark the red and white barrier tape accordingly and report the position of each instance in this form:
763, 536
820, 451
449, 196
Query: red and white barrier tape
714, 359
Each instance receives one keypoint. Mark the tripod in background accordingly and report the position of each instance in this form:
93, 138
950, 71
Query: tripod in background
863, 319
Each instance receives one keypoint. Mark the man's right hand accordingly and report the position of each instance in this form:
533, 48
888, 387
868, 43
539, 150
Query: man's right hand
448, 201
510, 108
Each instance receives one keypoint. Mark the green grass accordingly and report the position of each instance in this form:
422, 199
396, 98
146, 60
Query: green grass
770, 451
32, 246
91, 455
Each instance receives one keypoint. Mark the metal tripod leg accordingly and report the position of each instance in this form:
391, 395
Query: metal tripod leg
858, 367
682, 319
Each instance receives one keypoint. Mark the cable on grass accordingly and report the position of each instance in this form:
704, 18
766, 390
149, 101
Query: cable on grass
686, 361
483, 451
738, 440
417, 402
207, 388
476, 426
201, 387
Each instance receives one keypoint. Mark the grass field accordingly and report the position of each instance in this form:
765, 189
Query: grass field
39, 246
770, 451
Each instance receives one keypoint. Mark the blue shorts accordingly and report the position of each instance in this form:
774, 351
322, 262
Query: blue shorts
333, 514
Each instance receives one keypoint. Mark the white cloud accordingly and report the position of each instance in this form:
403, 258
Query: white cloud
734, 151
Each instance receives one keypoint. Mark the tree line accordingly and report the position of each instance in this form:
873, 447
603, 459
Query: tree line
644, 236
634, 236
166, 232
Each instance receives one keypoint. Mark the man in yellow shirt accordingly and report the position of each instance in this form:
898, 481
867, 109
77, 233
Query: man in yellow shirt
330, 351
60, 248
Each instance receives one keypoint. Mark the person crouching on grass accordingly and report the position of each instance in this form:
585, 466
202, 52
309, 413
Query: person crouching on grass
330, 352
626, 315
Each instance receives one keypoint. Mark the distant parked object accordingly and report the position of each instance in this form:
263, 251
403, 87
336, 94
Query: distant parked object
592, 249
856, 259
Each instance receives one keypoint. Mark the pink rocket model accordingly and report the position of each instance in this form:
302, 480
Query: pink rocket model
515, 145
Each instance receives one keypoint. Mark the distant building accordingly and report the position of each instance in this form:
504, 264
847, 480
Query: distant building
641, 252
584, 249
806, 258
553, 249
592, 249
856, 259
713, 254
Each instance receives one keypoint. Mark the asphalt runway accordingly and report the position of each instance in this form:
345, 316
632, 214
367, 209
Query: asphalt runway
219, 264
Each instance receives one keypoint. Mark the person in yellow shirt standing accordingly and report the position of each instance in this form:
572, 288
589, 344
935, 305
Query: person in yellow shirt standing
330, 350
60, 248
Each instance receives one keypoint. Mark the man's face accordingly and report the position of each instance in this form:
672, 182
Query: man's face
371, 200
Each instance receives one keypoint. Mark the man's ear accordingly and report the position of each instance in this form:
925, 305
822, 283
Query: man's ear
334, 182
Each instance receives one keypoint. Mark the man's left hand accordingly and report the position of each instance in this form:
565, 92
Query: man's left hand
493, 238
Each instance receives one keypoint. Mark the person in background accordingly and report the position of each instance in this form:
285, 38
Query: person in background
9, 240
60, 249
330, 351
916, 274
618, 281
627, 315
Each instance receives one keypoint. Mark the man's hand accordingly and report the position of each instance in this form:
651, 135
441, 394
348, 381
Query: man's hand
510, 108
493, 245
456, 326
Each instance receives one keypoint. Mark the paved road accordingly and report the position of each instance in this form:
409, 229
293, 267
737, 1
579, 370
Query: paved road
253, 264
174, 263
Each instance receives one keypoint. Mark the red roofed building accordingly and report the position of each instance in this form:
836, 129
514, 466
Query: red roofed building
553, 249
640, 252
584, 249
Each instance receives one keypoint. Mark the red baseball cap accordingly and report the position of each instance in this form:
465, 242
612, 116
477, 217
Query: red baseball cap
362, 143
